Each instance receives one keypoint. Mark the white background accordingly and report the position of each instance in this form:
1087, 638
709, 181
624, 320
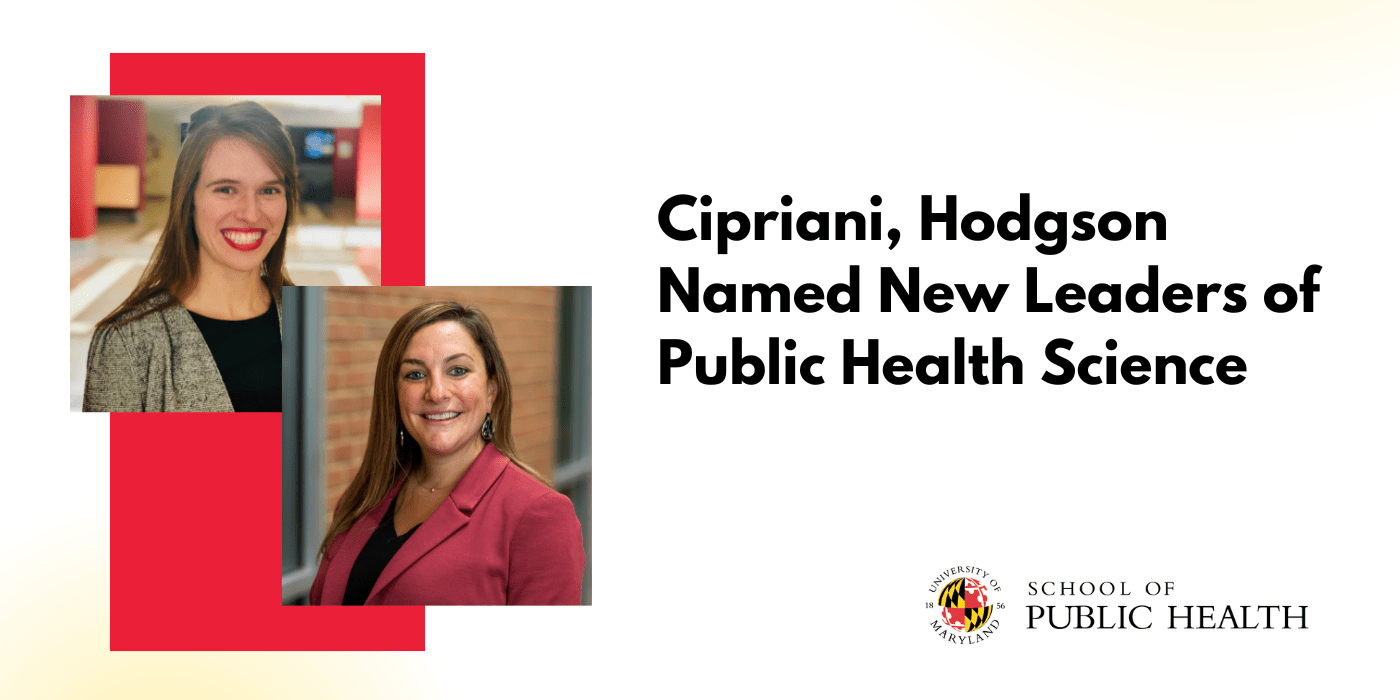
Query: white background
781, 540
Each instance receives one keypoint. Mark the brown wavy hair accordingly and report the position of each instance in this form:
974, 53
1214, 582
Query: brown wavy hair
175, 263
385, 461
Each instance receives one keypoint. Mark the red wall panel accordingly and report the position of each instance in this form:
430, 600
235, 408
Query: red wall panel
367, 174
82, 166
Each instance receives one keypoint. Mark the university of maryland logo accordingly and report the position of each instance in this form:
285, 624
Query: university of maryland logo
965, 605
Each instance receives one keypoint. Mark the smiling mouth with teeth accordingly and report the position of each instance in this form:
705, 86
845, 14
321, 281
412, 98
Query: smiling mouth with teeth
244, 238
441, 416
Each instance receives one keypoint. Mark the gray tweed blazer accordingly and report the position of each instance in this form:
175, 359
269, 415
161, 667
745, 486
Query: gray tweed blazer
155, 363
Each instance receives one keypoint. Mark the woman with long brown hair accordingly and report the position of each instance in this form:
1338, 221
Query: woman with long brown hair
442, 511
203, 329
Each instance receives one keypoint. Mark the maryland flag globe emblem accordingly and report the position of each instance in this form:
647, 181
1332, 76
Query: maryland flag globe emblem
965, 604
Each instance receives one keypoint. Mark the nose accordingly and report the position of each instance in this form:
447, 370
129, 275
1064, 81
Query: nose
434, 391
247, 207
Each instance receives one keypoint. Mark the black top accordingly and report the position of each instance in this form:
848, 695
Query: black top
381, 547
249, 356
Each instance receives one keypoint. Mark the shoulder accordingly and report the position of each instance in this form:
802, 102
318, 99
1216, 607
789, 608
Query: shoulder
526, 491
497, 488
538, 510
120, 359
143, 320
129, 331
524, 503
133, 339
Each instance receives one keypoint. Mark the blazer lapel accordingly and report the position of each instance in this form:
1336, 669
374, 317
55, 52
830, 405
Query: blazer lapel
338, 575
191, 349
453, 515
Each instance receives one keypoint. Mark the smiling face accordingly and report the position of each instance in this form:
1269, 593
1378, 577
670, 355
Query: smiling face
240, 205
444, 393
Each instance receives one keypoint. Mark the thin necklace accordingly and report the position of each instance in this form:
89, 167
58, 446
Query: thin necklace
419, 479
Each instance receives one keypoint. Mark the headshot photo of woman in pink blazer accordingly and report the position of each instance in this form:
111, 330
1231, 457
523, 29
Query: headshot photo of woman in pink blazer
202, 331
442, 511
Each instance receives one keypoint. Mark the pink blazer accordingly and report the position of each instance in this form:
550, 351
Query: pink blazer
500, 538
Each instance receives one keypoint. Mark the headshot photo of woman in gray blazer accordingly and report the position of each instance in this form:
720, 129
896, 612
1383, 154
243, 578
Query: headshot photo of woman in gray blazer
203, 329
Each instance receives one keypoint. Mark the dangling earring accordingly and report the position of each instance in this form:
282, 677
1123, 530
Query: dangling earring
486, 431
263, 272
400, 437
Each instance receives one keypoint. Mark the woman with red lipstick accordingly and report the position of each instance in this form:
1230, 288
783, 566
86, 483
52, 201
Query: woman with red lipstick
203, 330
442, 512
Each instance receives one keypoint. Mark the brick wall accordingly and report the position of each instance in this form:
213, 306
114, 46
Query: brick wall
359, 318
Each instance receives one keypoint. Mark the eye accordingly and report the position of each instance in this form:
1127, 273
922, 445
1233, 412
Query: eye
457, 371
225, 189
272, 190
414, 376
